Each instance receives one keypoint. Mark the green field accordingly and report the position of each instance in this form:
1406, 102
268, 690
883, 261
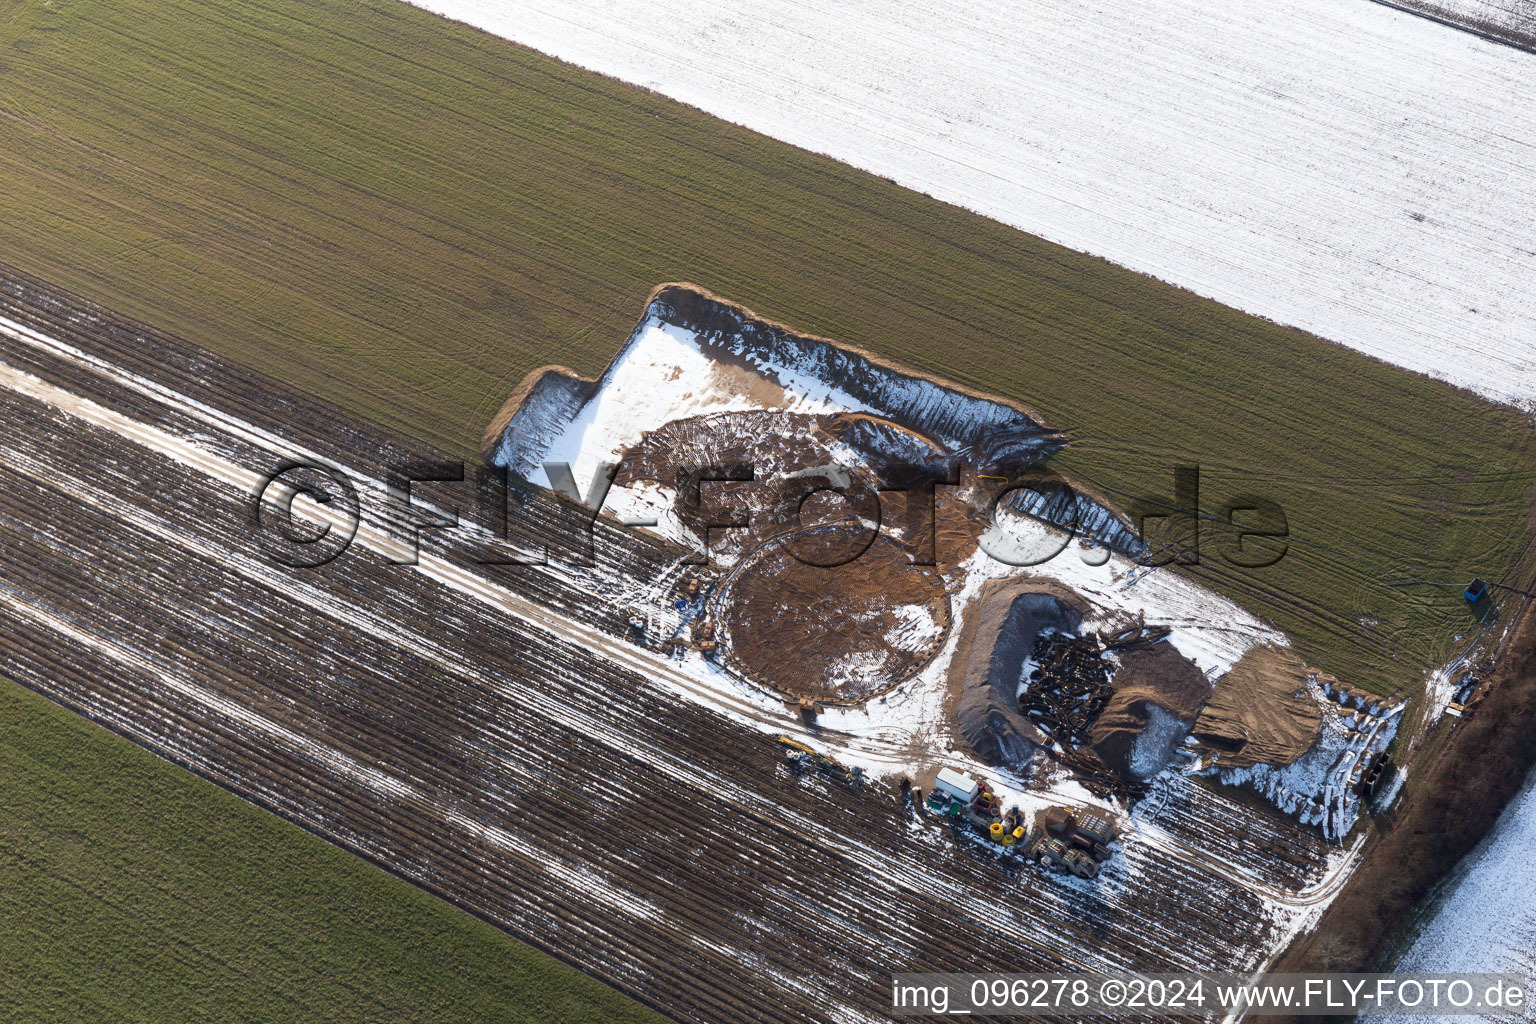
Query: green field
404, 215
131, 890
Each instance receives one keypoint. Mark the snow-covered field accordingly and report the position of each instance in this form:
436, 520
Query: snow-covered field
1335, 165
1509, 19
1487, 920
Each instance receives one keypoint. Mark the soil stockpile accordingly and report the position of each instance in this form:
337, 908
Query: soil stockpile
777, 460
1158, 695
1261, 712
840, 633
818, 605
1000, 629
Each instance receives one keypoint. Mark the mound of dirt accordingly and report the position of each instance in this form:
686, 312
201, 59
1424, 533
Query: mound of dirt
694, 355
822, 600
1158, 695
541, 404
956, 414
1000, 628
838, 634
1261, 712
778, 459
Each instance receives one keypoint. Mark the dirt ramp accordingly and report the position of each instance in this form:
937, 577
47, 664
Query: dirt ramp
1158, 696
1261, 712
538, 409
999, 631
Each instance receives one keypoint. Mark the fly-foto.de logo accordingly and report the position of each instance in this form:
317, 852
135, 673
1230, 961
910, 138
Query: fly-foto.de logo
308, 514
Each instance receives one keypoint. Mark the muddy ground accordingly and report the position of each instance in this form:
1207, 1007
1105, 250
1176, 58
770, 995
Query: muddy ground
835, 634
826, 597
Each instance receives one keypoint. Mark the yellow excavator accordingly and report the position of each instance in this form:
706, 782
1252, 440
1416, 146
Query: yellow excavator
803, 756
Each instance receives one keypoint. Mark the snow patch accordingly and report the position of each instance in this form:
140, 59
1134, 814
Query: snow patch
1485, 918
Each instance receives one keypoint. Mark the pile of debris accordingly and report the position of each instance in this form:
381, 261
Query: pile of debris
803, 759
1070, 684
1076, 842
1068, 841
1314, 748
1469, 691
1261, 713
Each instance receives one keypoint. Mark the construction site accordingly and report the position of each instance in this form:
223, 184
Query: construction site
876, 543
885, 760
1058, 839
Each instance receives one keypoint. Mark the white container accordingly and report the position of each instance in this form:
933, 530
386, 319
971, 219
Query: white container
958, 785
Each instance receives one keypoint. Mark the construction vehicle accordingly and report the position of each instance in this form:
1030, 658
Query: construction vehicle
804, 758
704, 637
688, 593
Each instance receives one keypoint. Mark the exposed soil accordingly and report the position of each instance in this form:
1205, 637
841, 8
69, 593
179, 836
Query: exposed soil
757, 449
780, 458
1156, 685
817, 606
1261, 713
837, 634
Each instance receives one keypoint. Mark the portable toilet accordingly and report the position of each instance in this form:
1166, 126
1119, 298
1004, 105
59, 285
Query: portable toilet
958, 785
1476, 590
